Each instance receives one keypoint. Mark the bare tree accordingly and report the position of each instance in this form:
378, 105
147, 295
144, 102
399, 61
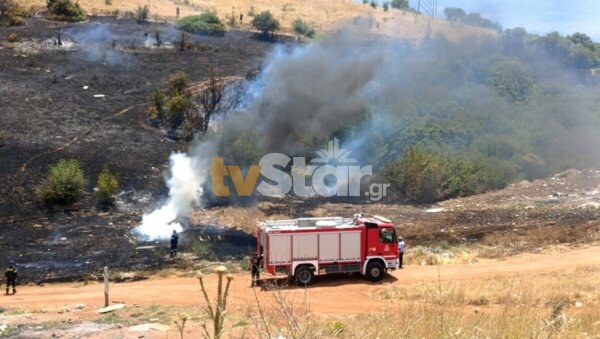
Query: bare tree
211, 96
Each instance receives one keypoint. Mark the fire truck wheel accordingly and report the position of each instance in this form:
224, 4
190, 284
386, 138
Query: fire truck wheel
375, 271
304, 276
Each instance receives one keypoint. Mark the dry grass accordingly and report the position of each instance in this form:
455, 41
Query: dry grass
519, 306
541, 306
325, 15
243, 218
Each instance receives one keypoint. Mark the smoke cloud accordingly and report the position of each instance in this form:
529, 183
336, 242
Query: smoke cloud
95, 45
185, 184
381, 97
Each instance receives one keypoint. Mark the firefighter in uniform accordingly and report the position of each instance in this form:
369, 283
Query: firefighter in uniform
256, 269
401, 246
174, 242
11, 277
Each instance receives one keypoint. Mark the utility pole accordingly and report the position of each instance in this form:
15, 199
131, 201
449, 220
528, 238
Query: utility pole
105, 286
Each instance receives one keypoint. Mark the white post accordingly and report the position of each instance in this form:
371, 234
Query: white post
105, 286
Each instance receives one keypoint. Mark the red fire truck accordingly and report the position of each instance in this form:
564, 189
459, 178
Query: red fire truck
305, 247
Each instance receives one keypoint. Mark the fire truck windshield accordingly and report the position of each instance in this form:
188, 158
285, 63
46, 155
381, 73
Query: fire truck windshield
386, 236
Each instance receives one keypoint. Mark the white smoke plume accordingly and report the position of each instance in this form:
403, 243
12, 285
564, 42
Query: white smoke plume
185, 189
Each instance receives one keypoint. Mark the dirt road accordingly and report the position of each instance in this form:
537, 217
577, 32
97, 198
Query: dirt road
330, 295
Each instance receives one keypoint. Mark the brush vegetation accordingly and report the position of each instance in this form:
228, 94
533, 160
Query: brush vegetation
65, 10
456, 119
64, 184
12, 14
455, 14
266, 23
107, 185
302, 27
205, 24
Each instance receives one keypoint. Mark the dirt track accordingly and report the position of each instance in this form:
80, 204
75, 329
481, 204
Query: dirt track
329, 295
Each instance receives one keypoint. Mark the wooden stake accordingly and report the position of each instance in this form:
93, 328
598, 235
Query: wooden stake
105, 286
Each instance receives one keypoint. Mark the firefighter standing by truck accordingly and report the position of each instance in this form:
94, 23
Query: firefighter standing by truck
255, 261
11, 277
401, 246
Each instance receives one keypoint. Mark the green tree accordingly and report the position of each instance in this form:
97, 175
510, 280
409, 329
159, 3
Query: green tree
177, 84
419, 175
266, 23
455, 14
460, 178
65, 10
386, 6
302, 27
373, 4
400, 4
64, 184
511, 80
206, 24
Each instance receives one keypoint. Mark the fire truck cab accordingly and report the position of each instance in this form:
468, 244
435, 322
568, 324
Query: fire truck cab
305, 247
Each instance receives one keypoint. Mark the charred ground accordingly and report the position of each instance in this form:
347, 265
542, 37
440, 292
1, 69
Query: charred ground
48, 115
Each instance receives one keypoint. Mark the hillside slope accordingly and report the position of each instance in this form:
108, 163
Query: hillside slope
325, 15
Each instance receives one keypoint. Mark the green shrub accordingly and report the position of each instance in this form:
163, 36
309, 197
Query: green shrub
373, 4
460, 178
303, 28
419, 174
107, 185
142, 13
511, 80
386, 6
177, 106
177, 84
108, 2
64, 184
2, 137
65, 10
533, 166
11, 14
205, 24
266, 23
495, 173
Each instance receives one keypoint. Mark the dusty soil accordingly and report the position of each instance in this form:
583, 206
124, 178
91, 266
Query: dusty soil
329, 295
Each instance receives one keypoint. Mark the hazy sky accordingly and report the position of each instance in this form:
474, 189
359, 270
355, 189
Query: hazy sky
537, 16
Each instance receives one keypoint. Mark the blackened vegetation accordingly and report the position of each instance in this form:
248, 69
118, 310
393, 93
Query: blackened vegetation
52, 114
437, 121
